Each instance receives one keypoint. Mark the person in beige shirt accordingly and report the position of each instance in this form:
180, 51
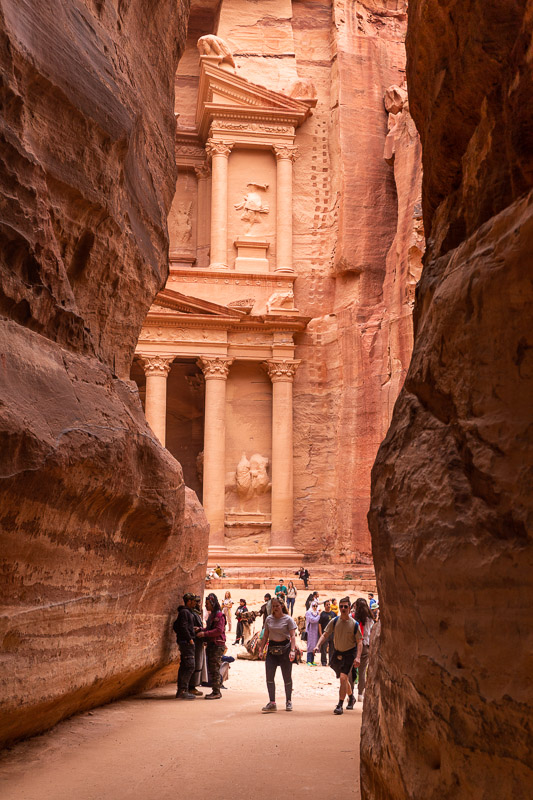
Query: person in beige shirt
348, 644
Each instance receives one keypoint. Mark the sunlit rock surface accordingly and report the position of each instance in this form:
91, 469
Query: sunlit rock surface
99, 534
449, 711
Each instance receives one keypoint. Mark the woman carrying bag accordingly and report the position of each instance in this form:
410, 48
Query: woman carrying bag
280, 634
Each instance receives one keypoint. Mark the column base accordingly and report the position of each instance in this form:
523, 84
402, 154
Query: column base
218, 265
285, 270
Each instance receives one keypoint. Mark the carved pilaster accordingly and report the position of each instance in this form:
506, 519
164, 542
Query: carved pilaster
215, 367
202, 171
281, 369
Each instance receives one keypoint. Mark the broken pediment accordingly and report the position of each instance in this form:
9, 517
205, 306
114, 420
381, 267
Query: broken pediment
168, 301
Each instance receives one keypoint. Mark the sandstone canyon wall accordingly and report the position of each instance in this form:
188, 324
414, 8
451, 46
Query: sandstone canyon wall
357, 235
449, 713
98, 533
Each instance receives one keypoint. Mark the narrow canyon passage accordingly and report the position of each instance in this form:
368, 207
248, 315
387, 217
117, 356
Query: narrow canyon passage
152, 746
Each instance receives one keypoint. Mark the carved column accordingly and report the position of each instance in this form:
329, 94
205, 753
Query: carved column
216, 371
202, 245
219, 152
285, 156
156, 369
281, 373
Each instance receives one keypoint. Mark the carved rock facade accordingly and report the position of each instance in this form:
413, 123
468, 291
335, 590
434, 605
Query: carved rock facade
451, 514
99, 534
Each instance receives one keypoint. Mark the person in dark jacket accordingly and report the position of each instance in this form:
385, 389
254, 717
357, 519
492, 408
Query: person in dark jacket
199, 654
184, 629
215, 635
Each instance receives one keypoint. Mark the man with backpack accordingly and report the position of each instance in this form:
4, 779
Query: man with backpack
348, 645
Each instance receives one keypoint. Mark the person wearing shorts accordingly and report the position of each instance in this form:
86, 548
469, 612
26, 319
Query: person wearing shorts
348, 645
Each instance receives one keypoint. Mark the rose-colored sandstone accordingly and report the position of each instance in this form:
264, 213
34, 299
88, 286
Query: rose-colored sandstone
99, 534
449, 712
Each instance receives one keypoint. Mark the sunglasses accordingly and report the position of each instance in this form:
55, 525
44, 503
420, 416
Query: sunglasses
344, 606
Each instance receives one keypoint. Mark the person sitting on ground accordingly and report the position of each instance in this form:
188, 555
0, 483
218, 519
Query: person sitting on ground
280, 634
312, 618
291, 597
348, 644
184, 628
365, 618
241, 609
280, 588
327, 647
335, 606
266, 608
313, 597
214, 633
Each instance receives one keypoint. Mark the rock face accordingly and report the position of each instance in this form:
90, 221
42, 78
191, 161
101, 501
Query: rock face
451, 516
99, 534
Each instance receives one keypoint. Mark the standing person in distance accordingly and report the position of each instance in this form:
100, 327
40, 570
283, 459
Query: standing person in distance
327, 646
227, 605
214, 634
312, 618
280, 633
312, 598
241, 609
348, 644
199, 649
184, 628
335, 606
280, 588
291, 597
306, 577
266, 608
365, 618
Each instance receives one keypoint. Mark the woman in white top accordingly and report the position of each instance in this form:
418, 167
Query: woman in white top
366, 621
280, 633
291, 597
227, 604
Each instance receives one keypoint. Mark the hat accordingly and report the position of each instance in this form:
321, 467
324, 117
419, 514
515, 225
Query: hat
188, 596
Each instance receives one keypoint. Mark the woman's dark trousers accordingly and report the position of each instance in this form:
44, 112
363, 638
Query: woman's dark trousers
272, 663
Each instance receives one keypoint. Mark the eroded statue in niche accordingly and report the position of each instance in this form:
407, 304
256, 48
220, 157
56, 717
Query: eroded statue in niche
283, 300
211, 45
251, 477
181, 229
252, 205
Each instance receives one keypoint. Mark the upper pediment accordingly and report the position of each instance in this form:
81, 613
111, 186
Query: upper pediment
227, 95
168, 301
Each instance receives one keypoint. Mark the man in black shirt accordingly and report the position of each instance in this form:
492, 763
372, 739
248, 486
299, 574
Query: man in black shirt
184, 630
326, 646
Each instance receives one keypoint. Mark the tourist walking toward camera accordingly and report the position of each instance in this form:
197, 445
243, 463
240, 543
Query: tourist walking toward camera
184, 628
280, 634
227, 605
214, 634
291, 597
365, 618
348, 645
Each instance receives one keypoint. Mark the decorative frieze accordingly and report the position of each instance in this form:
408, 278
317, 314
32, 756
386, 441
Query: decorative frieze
228, 125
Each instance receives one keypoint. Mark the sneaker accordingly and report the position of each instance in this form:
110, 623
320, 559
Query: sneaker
288, 706
196, 692
269, 708
214, 695
182, 695
351, 702
338, 709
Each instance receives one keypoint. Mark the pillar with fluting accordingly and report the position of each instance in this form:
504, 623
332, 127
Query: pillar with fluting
285, 157
156, 369
281, 373
219, 152
215, 369
202, 172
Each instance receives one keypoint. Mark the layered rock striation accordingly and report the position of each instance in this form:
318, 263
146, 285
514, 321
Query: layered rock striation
449, 712
99, 535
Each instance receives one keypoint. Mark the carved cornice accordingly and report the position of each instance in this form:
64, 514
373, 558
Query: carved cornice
214, 147
215, 368
156, 365
281, 369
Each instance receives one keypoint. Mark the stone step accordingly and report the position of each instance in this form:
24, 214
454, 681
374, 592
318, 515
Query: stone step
362, 584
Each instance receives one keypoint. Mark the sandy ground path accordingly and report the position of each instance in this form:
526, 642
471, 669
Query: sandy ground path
153, 747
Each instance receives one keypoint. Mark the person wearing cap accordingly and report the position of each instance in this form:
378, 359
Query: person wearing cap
184, 629
348, 644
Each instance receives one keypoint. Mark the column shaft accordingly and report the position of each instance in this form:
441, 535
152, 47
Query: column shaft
156, 369
219, 203
285, 156
203, 233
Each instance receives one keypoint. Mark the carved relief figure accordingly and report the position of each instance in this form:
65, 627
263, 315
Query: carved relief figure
212, 45
182, 228
252, 205
251, 478
280, 300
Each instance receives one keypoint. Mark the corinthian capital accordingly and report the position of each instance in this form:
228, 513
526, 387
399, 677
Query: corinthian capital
215, 367
202, 171
281, 369
157, 365
214, 147
288, 151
